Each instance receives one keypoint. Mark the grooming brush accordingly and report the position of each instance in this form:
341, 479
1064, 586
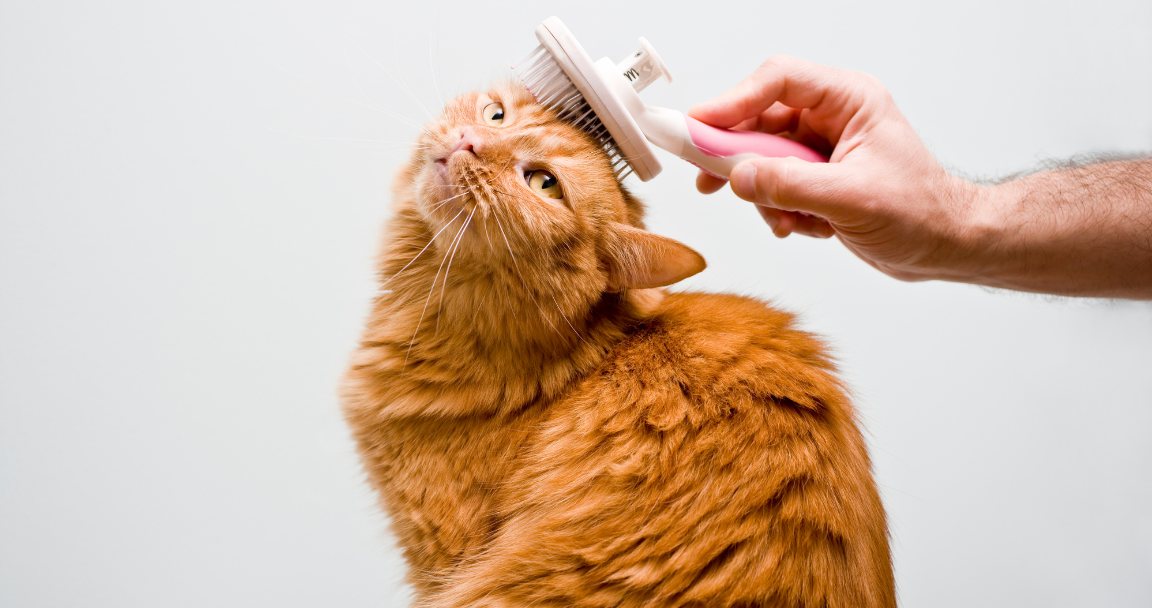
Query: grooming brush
602, 98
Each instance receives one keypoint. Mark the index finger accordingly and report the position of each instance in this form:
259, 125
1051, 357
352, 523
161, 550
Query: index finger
793, 82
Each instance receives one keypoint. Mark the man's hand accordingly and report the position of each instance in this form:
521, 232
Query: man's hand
885, 196
882, 193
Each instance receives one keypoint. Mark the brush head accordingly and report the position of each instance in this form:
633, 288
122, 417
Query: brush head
561, 76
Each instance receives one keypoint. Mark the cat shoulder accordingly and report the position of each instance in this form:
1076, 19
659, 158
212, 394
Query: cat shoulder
723, 345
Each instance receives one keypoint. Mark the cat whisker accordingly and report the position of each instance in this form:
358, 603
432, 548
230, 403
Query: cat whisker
516, 265
396, 143
443, 202
565, 317
440, 203
395, 79
451, 258
432, 65
351, 100
487, 234
417, 256
488, 189
428, 300
527, 285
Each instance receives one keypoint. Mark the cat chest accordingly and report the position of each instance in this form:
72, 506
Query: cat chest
443, 479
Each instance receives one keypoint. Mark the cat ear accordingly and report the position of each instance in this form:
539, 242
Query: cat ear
638, 259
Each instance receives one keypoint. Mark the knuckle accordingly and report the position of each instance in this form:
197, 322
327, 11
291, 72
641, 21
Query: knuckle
772, 62
872, 86
778, 62
869, 80
775, 182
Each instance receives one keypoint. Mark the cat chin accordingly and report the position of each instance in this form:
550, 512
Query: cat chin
440, 174
440, 198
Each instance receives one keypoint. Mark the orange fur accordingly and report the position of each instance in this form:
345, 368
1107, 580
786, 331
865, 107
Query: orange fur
546, 427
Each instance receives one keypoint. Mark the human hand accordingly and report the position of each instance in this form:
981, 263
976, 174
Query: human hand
882, 193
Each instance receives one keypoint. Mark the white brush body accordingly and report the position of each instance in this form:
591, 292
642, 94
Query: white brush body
602, 98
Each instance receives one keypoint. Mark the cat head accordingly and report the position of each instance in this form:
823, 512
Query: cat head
506, 182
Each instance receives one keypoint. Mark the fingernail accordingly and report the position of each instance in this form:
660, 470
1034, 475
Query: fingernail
744, 180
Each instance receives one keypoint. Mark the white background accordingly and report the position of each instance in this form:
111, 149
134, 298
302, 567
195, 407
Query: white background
190, 195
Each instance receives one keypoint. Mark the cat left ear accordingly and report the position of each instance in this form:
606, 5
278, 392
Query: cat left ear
638, 259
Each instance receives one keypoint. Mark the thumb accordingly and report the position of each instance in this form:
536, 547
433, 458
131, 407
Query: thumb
792, 184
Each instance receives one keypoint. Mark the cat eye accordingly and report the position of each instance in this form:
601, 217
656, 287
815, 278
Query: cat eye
544, 183
493, 113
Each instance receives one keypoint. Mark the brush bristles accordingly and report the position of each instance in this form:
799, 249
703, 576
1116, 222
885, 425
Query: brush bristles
552, 89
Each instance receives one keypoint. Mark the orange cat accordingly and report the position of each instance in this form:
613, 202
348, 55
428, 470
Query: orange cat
547, 427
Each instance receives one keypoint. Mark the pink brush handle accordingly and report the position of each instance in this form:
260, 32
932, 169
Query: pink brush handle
724, 148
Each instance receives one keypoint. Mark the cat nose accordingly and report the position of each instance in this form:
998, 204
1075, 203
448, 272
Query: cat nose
468, 141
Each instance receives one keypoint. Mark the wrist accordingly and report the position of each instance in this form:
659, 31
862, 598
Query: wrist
996, 235
986, 219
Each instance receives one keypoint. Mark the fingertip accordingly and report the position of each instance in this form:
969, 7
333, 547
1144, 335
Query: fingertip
700, 110
707, 183
786, 225
706, 112
778, 119
775, 220
768, 217
724, 111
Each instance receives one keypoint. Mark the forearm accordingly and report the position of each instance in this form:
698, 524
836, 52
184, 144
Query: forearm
1084, 231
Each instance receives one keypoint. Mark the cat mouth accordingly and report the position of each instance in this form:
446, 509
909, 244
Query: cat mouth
452, 168
445, 163
454, 156
452, 175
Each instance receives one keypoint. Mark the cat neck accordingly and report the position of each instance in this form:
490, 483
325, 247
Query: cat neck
490, 338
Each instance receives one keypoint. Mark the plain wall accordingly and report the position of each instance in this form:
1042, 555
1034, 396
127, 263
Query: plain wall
190, 199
